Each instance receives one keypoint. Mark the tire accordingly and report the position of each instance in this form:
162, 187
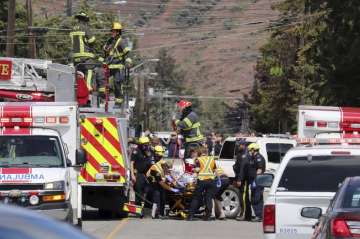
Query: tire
231, 202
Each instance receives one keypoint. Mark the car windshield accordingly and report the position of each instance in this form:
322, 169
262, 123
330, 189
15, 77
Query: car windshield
276, 151
318, 173
30, 151
351, 197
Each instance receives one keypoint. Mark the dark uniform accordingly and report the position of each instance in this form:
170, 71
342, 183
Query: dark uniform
205, 187
82, 41
142, 163
246, 175
155, 176
189, 126
240, 175
257, 192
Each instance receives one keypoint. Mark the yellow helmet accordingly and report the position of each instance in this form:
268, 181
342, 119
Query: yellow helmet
253, 146
144, 140
159, 150
116, 26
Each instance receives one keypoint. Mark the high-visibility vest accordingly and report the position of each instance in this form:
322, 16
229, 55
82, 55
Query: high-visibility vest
207, 166
157, 168
80, 43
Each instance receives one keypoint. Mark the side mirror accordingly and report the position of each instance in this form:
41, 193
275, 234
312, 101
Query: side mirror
311, 212
80, 157
264, 180
68, 162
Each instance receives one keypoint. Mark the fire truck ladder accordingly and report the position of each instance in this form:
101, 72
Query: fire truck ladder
34, 77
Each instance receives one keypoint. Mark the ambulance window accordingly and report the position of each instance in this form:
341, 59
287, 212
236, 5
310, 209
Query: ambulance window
276, 151
327, 171
228, 150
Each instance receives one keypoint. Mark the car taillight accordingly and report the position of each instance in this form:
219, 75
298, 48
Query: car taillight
339, 228
269, 219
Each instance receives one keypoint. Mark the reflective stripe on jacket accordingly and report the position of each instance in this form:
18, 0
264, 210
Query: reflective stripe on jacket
157, 168
207, 168
80, 43
117, 53
190, 128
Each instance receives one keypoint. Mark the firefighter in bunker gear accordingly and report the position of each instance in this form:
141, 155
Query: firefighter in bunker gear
141, 161
205, 185
82, 42
189, 126
117, 57
157, 177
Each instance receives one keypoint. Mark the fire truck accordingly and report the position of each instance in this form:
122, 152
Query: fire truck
59, 153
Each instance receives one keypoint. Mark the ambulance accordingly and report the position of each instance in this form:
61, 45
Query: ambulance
58, 154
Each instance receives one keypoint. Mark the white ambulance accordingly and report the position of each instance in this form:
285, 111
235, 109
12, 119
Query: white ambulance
35, 162
309, 175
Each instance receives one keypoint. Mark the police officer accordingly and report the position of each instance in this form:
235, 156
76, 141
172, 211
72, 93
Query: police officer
257, 192
241, 157
141, 161
82, 41
118, 60
205, 185
156, 176
245, 178
189, 126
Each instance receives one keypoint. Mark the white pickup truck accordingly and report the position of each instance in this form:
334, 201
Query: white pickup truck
272, 148
307, 177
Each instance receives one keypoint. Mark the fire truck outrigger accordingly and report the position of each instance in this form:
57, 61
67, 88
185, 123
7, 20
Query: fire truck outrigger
57, 155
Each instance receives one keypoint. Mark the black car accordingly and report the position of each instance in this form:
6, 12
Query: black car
21, 223
342, 218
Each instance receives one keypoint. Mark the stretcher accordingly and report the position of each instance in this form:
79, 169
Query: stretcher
179, 203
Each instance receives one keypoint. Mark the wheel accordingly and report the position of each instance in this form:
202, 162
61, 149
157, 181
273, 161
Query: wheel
231, 202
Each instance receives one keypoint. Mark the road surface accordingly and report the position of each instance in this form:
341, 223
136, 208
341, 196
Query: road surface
134, 228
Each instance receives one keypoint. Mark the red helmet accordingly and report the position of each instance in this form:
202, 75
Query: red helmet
182, 104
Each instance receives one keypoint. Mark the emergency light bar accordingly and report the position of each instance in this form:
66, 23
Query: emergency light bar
313, 120
36, 121
330, 141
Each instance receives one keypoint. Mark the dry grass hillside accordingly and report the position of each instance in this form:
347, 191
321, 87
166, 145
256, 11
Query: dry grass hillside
215, 41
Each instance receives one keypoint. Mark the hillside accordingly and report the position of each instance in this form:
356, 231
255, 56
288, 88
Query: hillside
216, 42
218, 51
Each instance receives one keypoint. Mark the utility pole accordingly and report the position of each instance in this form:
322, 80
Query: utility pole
69, 8
146, 104
32, 43
10, 47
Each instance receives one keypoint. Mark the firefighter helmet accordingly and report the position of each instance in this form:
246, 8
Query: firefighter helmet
82, 16
144, 140
116, 26
159, 150
253, 146
182, 104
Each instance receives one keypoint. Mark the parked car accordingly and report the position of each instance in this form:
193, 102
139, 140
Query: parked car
273, 149
342, 218
307, 177
21, 223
